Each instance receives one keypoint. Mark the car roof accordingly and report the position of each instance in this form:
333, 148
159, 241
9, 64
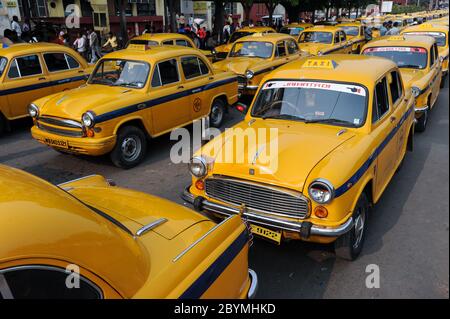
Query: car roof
347, 68
266, 37
152, 53
29, 48
160, 36
402, 40
255, 29
323, 28
429, 26
349, 24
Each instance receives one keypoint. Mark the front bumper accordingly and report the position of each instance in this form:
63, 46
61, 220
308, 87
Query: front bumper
305, 229
253, 284
77, 145
420, 110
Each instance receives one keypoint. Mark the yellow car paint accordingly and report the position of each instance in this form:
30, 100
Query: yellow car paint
337, 43
355, 34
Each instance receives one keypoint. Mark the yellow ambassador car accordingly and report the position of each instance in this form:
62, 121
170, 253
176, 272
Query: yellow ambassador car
343, 125
321, 40
355, 34
220, 52
121, 243
152, 39
132, 95
31, 71
252, 57
440, 33
418, 60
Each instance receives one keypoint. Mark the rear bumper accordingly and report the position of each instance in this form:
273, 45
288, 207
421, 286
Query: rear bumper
305, 229
253, 284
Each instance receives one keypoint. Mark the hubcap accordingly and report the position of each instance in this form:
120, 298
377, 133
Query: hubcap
131, 148
359, 227
216, 114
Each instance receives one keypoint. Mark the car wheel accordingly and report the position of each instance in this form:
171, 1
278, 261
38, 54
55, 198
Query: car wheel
217, 113
443, 82
349, 245
2, 123
130, 148
421, 124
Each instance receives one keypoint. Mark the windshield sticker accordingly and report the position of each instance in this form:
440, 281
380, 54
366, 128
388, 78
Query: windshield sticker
351, 89
356, 121
396, 49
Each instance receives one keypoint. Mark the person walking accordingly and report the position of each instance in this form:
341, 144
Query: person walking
80, 44
16, 26
394, 30
226, 32
94, 45
202, 35
383, 28
112, 42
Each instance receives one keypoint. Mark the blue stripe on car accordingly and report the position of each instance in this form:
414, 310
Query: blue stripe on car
207, 278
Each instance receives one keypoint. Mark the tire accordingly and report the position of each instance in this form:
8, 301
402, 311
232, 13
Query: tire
422, 122
217, 114
2, 124
349, 245
130, 148
443, 82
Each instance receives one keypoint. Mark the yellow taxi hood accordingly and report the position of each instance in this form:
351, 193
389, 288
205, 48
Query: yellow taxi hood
295, 142
313, 48
224, 47
93, 97
237, 65
412, 77
135, 209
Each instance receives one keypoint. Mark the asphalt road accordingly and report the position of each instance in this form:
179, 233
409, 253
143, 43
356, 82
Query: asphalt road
408, 236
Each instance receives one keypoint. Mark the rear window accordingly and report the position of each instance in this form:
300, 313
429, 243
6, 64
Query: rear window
310, 101
292, 31
440, 37
405, 57
238, 34
351, 31
3, 62
144, 42
316, 37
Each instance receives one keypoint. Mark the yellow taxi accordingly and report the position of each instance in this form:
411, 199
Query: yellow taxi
253, 56
220, 52
356, 34
333, 130
132, 95
442, 21
440, 33
322, 40
152, 39
31, 71
112, 242
418, 60
294, 29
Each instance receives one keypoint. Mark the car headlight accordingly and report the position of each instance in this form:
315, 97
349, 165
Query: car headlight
213, 51
249, 74
415, 91
33, 110
88, 119
321, 191
198, 166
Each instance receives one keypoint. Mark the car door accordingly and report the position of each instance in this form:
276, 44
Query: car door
382, 125
169, 99
292, 50
345, 45
65, 71
281, 55
436, 69
196, 75
337, 43
25, 82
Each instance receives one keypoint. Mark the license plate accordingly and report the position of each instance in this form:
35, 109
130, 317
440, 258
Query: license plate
266, 233
56, 143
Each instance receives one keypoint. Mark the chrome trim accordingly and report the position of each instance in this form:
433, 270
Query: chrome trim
141, 231
5, 292
251, 87
421, 109
202, 160
253, 285
274, 222
60, 122
53, 268
77, 179
323, 182
195, 243
59, 131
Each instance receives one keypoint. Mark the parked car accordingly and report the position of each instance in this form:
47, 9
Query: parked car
322, 40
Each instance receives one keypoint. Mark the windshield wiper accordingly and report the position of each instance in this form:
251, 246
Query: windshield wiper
409, 66
284, 117
133, 84
337, 121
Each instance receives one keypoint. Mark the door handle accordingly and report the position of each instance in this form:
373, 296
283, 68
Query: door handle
393, 118
81, 71
181, 87
211, 78
41, 79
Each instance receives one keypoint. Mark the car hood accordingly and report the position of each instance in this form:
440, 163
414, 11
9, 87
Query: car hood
287, 157
224, 47
97, 98
238, 65
410, 77
313, 48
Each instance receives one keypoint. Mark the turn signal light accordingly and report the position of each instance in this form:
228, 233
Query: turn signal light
90, 133
321, 212
200, 185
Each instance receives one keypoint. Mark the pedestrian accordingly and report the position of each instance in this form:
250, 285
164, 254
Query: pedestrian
112, 41
94, 45
383, 28
182, 20
202, 35
226, 32
146, 29
394, 30
80, 44
5, 40
210, 41
16, 26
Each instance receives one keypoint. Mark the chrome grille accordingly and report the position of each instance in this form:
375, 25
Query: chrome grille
268, 199
60, 131
60, 122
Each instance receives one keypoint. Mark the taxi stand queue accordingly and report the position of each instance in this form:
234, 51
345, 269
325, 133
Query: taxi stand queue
332, 110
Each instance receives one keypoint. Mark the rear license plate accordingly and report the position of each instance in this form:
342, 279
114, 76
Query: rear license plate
266, 233
56, 143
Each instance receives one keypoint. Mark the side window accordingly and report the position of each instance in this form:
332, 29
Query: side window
25, 66
182, 43
73, 63
436, 52
381, 101
292, 47
395, 87
336, 38
343, 36
56, 62
156, 80
168, 42
362, 31
281, 49
41, 282
191, 67
168, 72
203, 67
432, 56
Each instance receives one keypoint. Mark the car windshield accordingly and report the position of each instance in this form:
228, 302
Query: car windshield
239, 34
316, 37
439, 36
312, 102
3, 62
126, 73
292, 30
351, 31
252, 49
405, 57
144, 42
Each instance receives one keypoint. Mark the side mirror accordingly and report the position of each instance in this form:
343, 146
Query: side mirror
441, 58
241, 107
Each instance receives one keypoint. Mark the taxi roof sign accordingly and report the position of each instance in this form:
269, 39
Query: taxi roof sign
139, 47
320, 64
396, 38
